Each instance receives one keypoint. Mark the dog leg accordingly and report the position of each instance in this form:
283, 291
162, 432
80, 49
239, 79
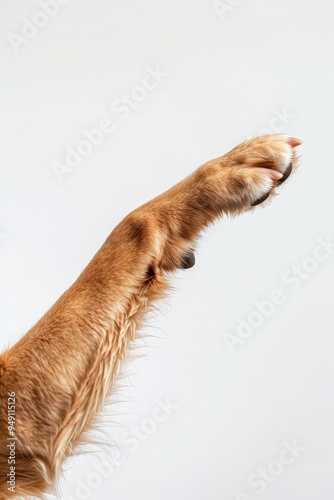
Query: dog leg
63, 369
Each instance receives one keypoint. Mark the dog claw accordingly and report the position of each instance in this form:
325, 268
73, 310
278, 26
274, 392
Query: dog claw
286, 174
260, 200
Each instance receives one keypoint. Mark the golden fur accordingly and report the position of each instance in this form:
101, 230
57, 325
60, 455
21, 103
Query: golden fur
64, 368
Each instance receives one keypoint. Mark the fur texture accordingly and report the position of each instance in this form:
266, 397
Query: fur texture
64, 368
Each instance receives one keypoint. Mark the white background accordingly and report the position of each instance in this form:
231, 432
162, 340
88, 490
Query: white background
229, 76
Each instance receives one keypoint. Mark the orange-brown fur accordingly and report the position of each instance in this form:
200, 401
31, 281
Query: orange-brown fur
63, 369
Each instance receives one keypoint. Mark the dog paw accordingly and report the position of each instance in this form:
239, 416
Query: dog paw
262, 164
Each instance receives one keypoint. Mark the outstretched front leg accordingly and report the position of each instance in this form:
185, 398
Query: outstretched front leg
230, 184
63, 369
